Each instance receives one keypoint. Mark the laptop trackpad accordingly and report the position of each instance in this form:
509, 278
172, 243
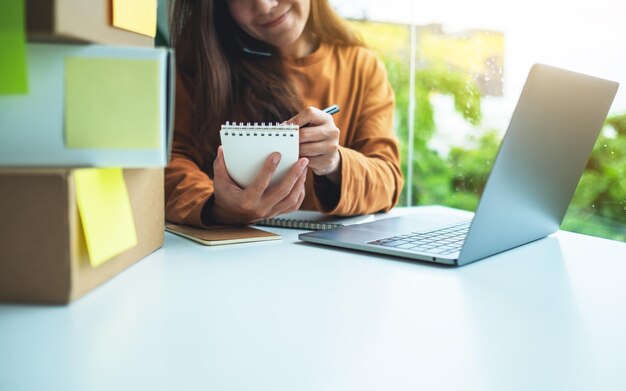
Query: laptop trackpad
419, 222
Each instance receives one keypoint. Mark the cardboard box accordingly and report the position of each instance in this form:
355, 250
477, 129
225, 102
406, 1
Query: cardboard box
78, 21
43, 256
33, 131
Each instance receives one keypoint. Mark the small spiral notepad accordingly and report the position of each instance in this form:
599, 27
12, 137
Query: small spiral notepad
247, 146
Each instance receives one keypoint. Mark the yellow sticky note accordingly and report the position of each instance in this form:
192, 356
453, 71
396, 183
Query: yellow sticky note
139, 16
13, 73
105, 212
112, 103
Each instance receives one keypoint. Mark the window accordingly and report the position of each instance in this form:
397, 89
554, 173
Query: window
457, 69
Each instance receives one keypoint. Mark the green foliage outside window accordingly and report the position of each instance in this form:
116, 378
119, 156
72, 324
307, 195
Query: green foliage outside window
599, 204
458, 179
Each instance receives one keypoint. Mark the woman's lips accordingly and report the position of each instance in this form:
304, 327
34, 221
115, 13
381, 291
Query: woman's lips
276, 21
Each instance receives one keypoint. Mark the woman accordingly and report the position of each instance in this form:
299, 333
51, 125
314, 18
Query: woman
263, 61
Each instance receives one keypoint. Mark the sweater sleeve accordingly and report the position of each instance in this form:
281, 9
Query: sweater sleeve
371, 178
187, 187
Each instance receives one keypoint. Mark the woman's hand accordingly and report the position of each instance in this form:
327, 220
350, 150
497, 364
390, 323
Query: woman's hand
258, 201
319, 142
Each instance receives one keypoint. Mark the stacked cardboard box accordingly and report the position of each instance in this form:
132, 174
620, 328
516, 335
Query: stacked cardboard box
64, 125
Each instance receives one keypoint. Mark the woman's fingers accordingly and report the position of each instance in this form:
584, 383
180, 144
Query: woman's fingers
294, 198
311, 116
297, 204
220, 174
304, 117
326, 131
283, 188
219, 167
319, 140
262, 181
312, 150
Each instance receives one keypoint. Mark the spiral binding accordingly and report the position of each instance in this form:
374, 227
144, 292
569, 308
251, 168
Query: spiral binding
269, 129
301, 224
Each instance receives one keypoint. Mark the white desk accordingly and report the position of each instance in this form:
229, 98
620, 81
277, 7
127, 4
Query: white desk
291, 316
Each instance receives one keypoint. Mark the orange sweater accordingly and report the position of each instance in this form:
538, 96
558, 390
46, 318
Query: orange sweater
351, 77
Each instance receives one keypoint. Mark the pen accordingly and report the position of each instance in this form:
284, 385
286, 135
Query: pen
331, 109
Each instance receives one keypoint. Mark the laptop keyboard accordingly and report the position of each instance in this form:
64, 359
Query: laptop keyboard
443, 241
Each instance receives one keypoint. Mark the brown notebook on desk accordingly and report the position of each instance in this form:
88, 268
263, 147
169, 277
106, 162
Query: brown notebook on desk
221, 234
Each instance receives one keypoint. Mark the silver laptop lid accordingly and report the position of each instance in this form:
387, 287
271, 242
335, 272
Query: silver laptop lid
541, 159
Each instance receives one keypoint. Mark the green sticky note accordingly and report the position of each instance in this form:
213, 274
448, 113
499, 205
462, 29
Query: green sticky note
112, 103
13, 73
105, 212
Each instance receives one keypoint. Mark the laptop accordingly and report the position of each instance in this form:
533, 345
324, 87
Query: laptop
538, 166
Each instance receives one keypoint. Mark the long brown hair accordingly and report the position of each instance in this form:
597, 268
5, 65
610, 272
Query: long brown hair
230, 84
